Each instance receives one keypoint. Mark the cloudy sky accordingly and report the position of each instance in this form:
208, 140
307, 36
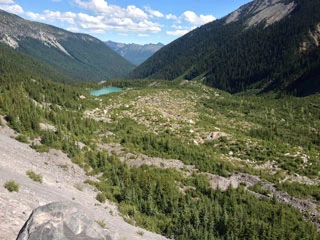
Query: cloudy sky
127, 21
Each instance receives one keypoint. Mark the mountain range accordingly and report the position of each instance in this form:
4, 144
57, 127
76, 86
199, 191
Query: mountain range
78, 56
264, 45
135, 53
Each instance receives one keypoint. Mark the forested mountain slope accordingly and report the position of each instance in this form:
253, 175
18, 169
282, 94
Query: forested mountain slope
80, 56
269, 45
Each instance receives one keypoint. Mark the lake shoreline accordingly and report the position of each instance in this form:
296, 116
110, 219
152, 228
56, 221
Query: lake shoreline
105, 90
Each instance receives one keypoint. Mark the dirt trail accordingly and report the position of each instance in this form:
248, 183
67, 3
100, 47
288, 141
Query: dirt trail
61, 181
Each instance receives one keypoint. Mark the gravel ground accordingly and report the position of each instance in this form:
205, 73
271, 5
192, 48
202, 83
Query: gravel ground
61, 181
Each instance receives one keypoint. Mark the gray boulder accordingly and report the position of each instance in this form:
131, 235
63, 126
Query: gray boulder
61, 221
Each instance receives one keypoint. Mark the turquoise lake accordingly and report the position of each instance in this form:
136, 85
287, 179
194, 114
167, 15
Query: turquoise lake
104, 91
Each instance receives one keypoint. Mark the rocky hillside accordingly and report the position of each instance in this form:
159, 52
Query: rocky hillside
135, 53
79, 56
267, 45
61, 181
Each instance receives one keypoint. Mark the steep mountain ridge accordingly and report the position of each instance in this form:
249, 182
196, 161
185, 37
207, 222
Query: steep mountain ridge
270, 11
135, 53
79, 56
256, 47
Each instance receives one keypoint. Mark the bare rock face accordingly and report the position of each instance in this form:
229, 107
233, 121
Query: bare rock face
61, 221
258, 11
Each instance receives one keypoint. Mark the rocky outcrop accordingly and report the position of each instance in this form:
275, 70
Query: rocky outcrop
63, 221
258, 11
315, 35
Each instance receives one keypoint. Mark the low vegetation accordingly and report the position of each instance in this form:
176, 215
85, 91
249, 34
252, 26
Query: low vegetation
34, 176
101, 223
22, 138
11, 186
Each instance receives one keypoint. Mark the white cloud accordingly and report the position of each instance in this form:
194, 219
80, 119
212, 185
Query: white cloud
63, 17
51, 16
154, 13
98, 16
95, 5
186, 23
112, 17
6, 1
112, 11
179, 30
189, 16
36, 16
143, 35
177, 33
10, 6
177, 26
73, 29
171, 17
97, 31
193, 18
97, 23
150, 26
136, 13
90, 22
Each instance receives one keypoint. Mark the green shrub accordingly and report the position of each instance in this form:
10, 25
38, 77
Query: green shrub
34, 176
101, 197
22, 138
40, 148
11, 186
140, 232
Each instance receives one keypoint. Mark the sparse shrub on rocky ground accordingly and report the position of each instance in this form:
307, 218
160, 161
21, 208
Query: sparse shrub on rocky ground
22, 138
11, 186
101, 197
34, 176
101, 222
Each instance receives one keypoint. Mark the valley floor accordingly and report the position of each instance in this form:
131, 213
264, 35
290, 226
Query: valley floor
265, 149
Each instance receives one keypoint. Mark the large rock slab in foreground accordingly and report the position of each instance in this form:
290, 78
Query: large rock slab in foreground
61, 221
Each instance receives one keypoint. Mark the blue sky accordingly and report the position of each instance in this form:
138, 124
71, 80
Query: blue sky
127, 21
